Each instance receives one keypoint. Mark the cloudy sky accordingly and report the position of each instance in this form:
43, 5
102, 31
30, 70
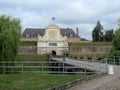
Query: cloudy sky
68, 13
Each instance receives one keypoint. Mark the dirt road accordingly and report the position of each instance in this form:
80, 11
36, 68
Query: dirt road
107, 82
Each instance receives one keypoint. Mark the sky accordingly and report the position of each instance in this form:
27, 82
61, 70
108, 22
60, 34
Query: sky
83, 14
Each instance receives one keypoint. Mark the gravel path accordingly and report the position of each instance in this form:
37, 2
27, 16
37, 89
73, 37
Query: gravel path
107, 82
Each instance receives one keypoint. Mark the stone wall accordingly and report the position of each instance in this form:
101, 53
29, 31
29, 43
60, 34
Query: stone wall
73, 49
28, 50
90, 49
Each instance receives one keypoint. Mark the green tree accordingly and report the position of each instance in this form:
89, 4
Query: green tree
116, 44
9, 37
116, 40
108, 35
97, 33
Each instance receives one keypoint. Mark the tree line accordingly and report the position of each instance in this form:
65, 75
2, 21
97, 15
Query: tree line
99, 34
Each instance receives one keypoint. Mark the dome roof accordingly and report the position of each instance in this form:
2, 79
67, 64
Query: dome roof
53, 26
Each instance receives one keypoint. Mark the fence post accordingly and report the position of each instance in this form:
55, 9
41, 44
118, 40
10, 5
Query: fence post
42, 67
85, 70
99, 68
63, 64
119, 60
22, 67
106, 67
114, 61
12, 67
63, 67
4, 68
58, 68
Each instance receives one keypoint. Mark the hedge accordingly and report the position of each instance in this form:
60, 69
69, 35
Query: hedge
28, 43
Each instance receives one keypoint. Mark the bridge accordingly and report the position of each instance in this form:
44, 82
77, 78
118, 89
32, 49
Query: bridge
93, 66
105, 82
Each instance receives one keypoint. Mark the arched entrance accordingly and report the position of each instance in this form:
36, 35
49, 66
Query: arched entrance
53, 53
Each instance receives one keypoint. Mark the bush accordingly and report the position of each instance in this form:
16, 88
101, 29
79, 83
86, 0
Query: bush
115, 53
28, 43
116, 40
116, 44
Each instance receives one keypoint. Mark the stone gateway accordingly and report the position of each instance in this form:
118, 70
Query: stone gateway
52, 42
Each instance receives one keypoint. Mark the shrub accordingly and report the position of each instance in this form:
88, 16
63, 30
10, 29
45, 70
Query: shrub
28, 43
115, 53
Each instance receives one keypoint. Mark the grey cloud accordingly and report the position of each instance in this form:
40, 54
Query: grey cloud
68, 13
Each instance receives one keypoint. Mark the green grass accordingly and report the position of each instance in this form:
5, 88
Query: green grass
28, 43
34, 81
89, 43
32, 57
34, 43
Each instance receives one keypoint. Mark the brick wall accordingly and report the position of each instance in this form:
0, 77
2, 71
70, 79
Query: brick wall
72, 49
90, 49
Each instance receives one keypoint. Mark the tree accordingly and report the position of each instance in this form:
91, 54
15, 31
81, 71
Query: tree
108, 35
97, 34
118, 23
116, 40
116, 43
9, 37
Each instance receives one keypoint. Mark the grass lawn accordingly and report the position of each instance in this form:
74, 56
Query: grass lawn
32, 57
34, 81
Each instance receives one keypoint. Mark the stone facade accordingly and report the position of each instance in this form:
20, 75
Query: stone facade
27, 50
104, 49
31, 34
52, 42
94, 49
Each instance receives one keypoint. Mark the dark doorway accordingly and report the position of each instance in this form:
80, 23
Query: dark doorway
53, 53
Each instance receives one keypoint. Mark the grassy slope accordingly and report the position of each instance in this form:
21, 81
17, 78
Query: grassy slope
89, 43
33, 81
31, 57
28, 43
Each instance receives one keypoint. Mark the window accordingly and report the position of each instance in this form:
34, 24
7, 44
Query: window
52, 44
27, 35
71, 35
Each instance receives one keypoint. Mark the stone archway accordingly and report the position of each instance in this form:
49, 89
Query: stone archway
53, 53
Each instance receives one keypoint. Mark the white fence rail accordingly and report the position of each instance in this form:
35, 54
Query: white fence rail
42, 67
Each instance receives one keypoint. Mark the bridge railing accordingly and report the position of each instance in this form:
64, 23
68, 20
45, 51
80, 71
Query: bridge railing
41, 67
114, 60
94, 66
77, 58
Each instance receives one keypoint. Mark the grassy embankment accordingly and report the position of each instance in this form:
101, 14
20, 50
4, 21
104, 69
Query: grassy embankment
28, 43
89, 43
32, 57
34, 81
